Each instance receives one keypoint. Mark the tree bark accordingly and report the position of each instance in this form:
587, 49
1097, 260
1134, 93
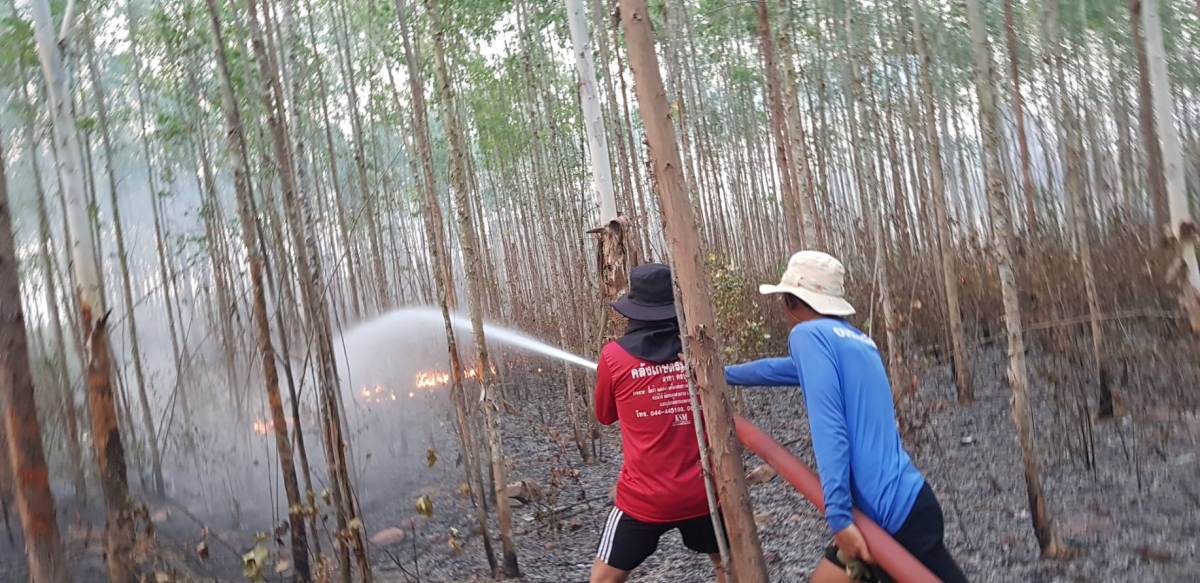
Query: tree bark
958, 342
793, 222
1080, 217
613, 255
23, 434
799, 155
1014, 68
1018, 376
695, 289
110, 453
66, 394
271, 97
1183, 228
471, 261
593, 121
123, 258
1150, 138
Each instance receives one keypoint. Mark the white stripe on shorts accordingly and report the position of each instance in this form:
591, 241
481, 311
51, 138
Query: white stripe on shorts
606, 534
610, 532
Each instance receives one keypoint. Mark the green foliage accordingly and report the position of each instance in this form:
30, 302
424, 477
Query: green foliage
744, 329
17, 51
86, 124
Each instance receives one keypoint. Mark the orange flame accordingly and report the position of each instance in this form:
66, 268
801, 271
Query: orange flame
430, 379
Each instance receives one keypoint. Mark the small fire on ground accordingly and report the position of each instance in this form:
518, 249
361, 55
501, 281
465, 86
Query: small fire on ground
377, 395
266, 426
430, 379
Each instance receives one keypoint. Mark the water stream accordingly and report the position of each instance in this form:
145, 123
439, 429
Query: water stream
429, 321
513, 338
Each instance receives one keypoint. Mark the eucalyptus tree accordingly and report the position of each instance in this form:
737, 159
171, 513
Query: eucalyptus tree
1182, 227
695, 289
1018, 375
946, 251
22, 437
472, 264
106, 437
123, 255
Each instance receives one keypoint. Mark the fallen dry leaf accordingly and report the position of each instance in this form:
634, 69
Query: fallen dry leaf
252, 563
424, 506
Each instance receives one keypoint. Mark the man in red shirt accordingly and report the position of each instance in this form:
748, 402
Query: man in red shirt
641, 382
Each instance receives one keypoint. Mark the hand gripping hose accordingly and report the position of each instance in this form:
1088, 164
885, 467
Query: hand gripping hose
892, 557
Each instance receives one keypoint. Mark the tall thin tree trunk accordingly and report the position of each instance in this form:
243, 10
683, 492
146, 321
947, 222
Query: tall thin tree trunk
613, 254
66, 394
123, 258
695, 289
962, 367
793, 222
1182, 226
1150, 136
215, 230
360, 159
806, 197
1018, 376
352, 273
110, 453
166, 278
1014, 68
23, 433
1080, 217
271, 96
471, 262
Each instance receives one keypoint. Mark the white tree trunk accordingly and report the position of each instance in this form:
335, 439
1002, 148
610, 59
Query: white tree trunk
1164, 107
82, 248
593, 121
106, 437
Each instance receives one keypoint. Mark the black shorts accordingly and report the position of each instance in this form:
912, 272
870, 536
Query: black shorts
626, 541
923, 535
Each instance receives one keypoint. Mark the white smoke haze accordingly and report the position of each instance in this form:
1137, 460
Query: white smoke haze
394, 378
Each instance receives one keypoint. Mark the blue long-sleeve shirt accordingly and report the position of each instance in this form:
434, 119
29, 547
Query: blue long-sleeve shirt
859, 455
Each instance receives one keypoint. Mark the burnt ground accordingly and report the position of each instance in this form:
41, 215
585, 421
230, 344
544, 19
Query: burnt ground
1134, 517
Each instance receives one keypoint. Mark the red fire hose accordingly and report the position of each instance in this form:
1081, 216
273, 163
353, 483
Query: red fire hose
892, 557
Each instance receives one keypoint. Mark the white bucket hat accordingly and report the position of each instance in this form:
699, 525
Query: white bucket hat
818, 279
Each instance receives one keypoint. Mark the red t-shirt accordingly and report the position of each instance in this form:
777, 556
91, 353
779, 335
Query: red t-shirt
661, 480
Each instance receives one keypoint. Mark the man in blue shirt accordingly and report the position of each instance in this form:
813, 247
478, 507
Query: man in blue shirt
853, 423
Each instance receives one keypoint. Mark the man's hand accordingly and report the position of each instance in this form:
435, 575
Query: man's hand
851, 542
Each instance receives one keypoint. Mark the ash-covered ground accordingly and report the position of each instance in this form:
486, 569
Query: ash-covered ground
1135, 516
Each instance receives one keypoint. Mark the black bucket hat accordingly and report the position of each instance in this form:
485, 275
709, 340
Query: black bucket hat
651, 297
